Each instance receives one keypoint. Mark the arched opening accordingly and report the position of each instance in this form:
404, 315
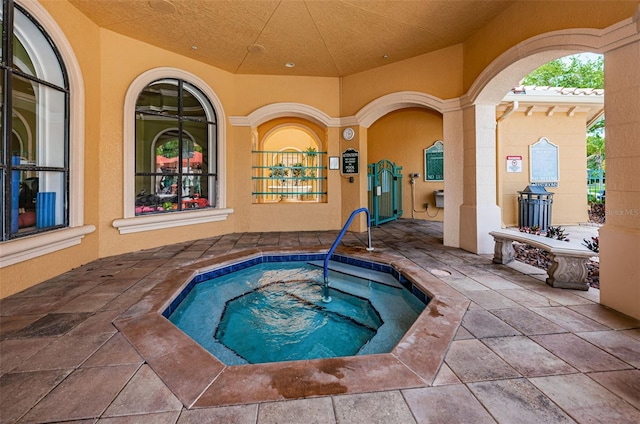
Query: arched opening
414, 129
618, 237
289, 163
558, 102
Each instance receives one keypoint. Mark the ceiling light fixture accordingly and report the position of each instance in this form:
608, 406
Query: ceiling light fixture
385, 57
194, 47
290, 64
162, 6
255, 48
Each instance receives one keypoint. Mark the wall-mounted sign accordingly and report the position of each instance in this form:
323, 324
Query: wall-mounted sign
514, 163
434, 162
350, 161
543, 166
334, 162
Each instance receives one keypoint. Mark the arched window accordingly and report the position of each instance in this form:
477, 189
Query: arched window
174, 139
175, 149
35, 128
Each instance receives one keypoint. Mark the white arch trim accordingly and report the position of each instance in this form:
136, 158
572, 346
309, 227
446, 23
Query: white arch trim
132, 223
26, 248
493, 83
373, 111
297, 126
281, 110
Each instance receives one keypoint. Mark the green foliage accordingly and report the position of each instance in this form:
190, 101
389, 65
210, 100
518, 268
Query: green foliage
557, 233
595, 146
576, 72
297, 170
571, 72
593, 244
170, 149
534, 229
279, 170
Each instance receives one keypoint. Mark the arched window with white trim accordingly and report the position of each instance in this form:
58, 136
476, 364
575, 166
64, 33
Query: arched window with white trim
175, 149
34, 167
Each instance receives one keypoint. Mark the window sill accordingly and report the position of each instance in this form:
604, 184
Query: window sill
24, 249
169, 220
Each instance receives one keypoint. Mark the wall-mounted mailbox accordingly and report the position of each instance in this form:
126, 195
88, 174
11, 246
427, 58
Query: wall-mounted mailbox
439, 194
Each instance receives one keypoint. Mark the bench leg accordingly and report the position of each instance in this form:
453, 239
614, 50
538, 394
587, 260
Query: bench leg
503, 252
568, 272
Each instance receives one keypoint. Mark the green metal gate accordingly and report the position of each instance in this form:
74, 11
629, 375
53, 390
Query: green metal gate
385, 191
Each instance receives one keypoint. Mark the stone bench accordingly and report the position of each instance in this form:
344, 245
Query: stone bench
569, 267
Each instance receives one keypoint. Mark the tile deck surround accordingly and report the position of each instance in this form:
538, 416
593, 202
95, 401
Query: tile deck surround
90, 346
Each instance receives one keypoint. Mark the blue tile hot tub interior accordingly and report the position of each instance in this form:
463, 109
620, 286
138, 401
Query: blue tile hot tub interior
270, 309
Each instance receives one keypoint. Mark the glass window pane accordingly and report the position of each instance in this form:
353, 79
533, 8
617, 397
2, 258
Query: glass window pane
156, 143
159, 97
192, 103
39, 123
32, 43
195, 189
1, 31
1, 117
198, 149
21, 59
209, 186
23, 207
156, 194
51, 198
38, 200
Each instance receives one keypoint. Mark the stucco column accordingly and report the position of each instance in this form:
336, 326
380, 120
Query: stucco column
479, 212
620, 236
453, 176
354, 187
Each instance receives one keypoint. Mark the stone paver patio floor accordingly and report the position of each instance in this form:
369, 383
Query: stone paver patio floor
524, 352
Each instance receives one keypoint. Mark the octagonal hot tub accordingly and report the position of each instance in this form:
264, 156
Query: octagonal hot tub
274, 311
202, 379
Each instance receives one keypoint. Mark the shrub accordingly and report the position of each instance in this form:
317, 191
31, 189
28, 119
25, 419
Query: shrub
557, 233
534, 229
593, 244
597, 213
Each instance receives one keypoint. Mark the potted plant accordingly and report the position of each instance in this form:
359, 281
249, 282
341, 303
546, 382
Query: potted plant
297, 171
279, 171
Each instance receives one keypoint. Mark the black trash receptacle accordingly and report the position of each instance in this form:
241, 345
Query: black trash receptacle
534, 207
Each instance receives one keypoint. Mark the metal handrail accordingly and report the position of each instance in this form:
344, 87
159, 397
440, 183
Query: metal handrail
325, 293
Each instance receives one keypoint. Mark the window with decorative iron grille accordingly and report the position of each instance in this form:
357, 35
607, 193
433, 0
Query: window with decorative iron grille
289, 176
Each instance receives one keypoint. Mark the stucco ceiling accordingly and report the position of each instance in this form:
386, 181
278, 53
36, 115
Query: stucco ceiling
321, 37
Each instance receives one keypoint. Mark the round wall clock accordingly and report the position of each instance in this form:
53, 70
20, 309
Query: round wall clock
348, 133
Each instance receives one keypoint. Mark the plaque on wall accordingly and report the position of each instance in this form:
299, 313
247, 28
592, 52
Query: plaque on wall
543, 163
350, 161
434, 162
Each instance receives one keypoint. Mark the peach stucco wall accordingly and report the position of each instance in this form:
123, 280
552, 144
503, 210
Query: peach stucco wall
525, 20
514, 136
438, 73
